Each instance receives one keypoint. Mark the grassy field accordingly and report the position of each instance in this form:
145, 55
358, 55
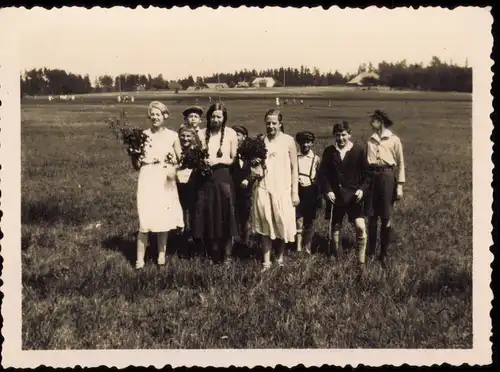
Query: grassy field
79, 220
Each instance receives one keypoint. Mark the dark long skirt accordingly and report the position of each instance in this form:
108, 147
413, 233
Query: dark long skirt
214, 214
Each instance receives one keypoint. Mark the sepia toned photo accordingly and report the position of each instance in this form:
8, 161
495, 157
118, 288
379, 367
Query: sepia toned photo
217, 187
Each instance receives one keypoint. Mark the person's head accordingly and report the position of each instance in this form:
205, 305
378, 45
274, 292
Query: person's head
193, 115
274, 122
157, 113
379, 120
216, 120
241, 133
187, 136
216, 116
342, 133
305, 139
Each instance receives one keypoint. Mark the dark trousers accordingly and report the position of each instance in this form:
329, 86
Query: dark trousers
379, 203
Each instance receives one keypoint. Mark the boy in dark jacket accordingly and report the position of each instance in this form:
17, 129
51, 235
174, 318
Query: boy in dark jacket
344, 182
243, 189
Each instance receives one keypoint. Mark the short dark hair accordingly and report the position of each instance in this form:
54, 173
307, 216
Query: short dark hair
342, 126
382, 117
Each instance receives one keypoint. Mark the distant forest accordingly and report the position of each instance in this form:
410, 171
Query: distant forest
436, 76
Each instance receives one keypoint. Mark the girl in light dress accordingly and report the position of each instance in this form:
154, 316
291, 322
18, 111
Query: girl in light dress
276, 195
158, 204
214, 217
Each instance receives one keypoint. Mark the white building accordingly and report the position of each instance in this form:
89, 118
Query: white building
264, 82
359, 78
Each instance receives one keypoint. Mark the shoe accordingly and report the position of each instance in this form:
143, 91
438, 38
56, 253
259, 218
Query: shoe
266, 267
139, 265
280, 262
161, 260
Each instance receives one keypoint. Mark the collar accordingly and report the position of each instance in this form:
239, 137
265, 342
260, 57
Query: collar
346, 148
386, 133
310, 154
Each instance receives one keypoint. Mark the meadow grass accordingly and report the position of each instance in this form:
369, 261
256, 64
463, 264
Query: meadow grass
79, 220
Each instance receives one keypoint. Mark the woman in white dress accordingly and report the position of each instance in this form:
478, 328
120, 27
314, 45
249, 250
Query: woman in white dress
276, 195
158, 204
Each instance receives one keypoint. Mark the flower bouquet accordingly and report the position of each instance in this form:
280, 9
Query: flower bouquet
171, 166
253, 151
133, 138
196, 158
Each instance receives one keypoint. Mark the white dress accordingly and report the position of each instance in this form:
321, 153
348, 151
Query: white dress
273, 213
158, 202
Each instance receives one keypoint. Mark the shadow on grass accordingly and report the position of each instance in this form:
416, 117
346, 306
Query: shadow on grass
446, 281
321, 244
51, 210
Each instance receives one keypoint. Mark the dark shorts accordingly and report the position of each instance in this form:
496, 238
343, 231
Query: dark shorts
308, 203
352, 210
381, 195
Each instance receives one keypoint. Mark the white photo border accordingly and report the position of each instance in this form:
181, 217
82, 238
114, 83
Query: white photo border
10, 185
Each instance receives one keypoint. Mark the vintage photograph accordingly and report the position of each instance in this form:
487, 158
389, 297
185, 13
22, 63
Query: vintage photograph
250, 179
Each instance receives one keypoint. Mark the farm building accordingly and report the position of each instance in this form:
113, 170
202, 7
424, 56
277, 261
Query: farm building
242, 84
217, 85
264, 82
358, 80
173, 85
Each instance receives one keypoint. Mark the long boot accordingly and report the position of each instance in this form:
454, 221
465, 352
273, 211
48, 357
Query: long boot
385, 232
372, 237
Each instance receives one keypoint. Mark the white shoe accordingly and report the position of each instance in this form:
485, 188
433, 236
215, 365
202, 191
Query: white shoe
161, 259
139, 265
266, 267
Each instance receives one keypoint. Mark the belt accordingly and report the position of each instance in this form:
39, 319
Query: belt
381, 168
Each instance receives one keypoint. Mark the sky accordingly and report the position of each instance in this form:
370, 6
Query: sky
181, 41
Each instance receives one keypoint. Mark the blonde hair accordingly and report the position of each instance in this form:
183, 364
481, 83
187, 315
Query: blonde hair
160, 106
278, 114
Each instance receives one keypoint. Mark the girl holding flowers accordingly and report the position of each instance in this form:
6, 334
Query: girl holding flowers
158, 203
276, 194
240, 170
214, 219
185, 179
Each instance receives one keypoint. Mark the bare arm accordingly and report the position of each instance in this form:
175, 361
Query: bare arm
294, 167
178, 150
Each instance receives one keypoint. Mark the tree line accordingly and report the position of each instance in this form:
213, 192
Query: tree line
436, 76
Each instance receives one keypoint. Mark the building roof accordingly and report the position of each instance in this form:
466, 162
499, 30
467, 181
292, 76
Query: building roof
216, 85
258, 80
359, 78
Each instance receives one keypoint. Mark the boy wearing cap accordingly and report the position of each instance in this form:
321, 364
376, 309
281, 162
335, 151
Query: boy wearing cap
386, 165
308, 164
344, 181
243, 190
192, 118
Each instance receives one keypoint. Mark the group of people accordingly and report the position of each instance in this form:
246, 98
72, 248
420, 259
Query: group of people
277, 200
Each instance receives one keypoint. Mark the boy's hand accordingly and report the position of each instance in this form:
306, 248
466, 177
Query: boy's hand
295, 199
244, 183
399, 192
331, 197
359, 195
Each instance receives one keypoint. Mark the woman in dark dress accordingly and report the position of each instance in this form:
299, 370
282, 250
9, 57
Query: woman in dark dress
214, 217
